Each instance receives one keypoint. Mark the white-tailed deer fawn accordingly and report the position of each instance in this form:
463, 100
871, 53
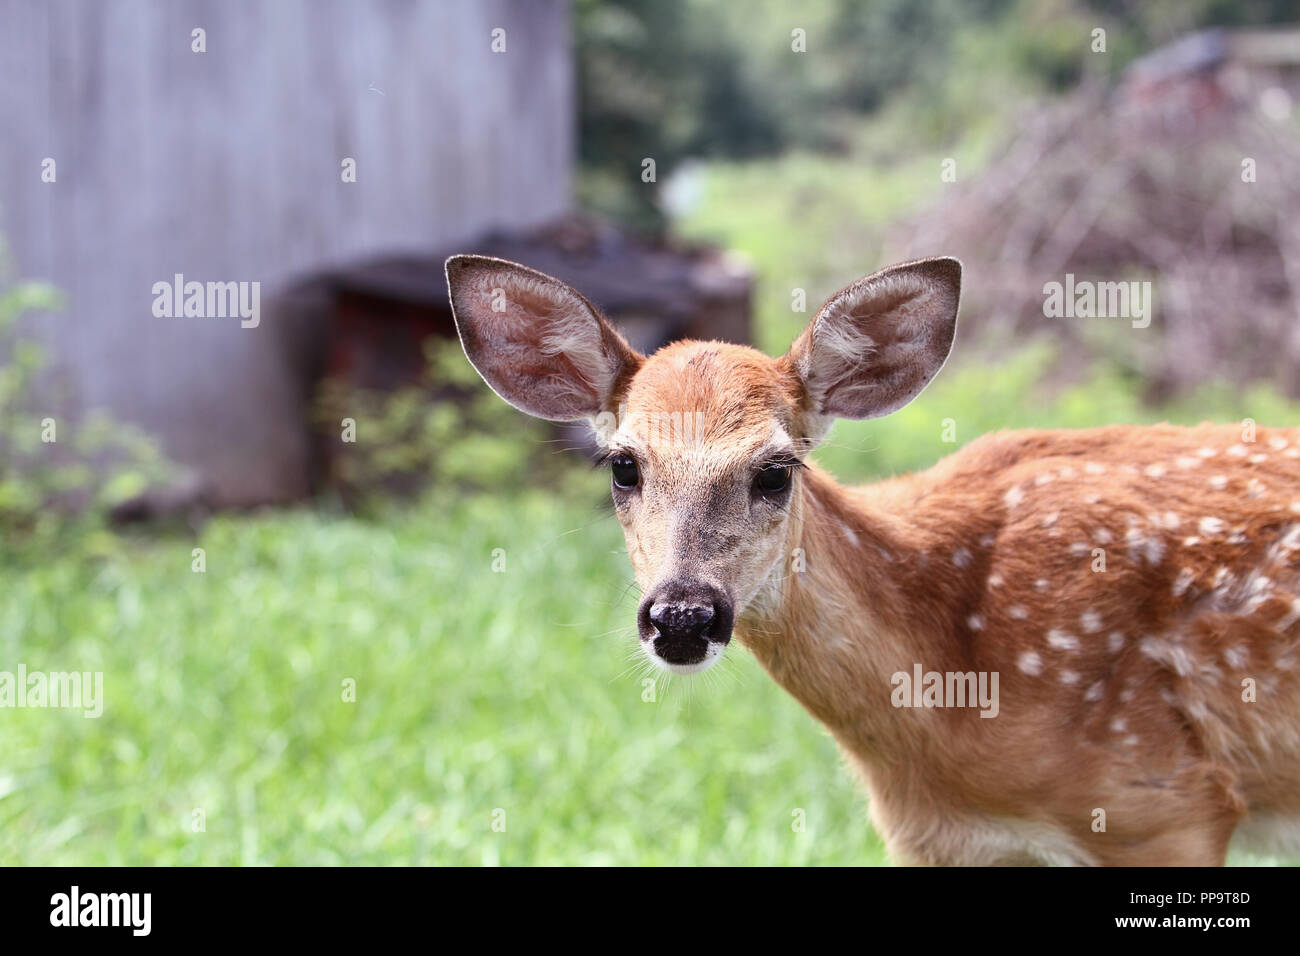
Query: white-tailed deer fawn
1130, 595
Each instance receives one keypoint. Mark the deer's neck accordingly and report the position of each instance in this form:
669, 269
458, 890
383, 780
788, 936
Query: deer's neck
857, 600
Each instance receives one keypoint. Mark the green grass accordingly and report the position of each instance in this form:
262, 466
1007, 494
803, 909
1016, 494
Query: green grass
475, 691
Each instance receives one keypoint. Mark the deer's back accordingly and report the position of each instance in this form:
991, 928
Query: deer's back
1138, 590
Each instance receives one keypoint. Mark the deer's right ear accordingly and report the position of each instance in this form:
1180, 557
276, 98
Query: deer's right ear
539, 344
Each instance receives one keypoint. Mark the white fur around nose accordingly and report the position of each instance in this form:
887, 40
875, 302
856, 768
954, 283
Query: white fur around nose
712, 654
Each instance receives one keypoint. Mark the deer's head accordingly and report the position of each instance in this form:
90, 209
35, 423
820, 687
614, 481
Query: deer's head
704, 441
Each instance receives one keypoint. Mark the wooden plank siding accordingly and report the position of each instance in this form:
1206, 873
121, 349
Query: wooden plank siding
225, 166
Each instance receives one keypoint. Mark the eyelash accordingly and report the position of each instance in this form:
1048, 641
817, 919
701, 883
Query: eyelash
784, 462
787, 461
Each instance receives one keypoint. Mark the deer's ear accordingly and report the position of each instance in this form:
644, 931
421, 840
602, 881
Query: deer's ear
539, 344
877, 343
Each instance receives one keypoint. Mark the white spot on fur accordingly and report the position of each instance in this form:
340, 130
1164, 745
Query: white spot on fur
1291, 540
1236, 657
1062, 640
1030, 663
1291, 616
1168, 653
1151, 548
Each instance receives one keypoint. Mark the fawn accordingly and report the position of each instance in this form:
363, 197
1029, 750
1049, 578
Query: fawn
1131, 591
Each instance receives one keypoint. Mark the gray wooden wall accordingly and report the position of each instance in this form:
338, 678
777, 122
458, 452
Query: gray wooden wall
225, 166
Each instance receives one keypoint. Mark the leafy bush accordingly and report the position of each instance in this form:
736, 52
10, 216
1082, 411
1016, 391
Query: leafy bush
448, 433
60, 477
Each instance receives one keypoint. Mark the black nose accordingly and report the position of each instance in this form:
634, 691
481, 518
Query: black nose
682, 618
678, 620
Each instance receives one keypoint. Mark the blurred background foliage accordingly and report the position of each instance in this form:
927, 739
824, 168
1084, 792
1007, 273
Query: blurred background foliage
691, 79
447, 432
470, 577
60, 478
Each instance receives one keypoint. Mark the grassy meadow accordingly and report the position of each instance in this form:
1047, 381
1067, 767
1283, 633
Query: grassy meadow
482, 698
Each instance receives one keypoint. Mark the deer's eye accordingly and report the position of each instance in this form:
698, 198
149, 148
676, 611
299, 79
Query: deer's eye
772, 479
625, 472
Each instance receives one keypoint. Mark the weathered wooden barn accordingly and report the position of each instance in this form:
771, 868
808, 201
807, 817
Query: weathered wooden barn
263, 143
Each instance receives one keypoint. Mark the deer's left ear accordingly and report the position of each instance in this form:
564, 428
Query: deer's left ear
539, 344
877, 343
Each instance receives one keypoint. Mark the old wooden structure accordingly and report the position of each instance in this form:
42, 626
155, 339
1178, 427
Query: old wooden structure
219, 141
